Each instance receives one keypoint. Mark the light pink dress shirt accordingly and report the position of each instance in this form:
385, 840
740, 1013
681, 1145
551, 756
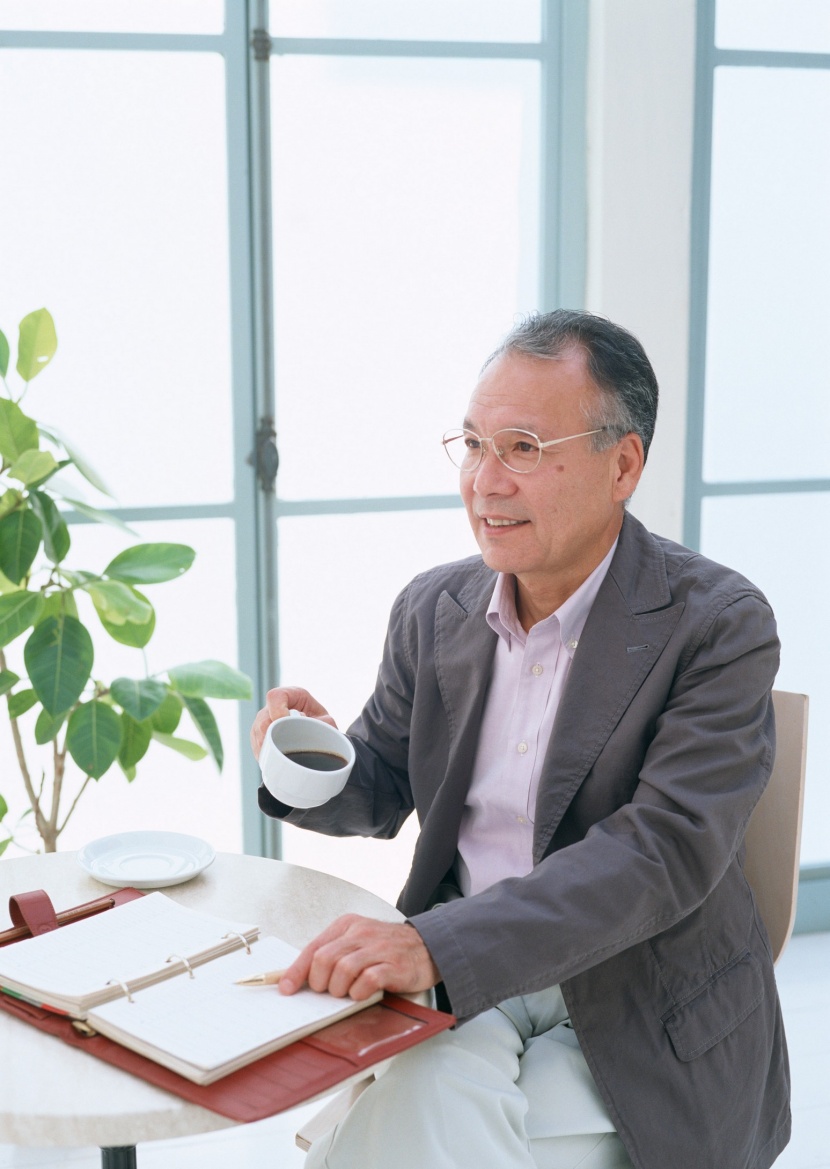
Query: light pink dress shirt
529, 675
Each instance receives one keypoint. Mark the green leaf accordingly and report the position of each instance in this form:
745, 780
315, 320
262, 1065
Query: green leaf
55, 532
58, 657
139, 698
32, 466
4, 807
150, 563
18, 611
4, 844
48, 726
118, 604
9, 500
20, 702
210, 679
20, 536
135, 739
4, 359
183, 746
92, 513
8, 679
132, 633
130, 772
37, 344
18, 433
167, 717
88, 472
58, 604
205, 722
93, 737
6, 585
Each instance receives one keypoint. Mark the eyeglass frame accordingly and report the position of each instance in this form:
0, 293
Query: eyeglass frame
458, 432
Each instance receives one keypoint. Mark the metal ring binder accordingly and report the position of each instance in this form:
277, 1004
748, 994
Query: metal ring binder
242, 938
184, 961
124, 986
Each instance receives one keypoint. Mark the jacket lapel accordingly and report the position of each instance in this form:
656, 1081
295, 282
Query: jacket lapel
627, 629
464, 650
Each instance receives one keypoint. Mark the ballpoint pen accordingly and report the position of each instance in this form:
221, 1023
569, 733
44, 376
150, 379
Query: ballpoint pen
269, 978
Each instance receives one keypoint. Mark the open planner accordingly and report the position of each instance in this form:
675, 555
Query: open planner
160, 979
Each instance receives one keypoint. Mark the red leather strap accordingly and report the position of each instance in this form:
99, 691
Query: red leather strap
34, 910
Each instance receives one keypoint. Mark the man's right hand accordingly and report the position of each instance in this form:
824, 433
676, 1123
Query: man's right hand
278, 703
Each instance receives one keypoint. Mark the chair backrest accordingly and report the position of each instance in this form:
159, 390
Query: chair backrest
773, 838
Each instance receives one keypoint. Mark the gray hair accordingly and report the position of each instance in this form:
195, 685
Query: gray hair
617, 364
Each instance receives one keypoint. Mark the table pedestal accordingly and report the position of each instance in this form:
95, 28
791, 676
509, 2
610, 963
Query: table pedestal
120, 1157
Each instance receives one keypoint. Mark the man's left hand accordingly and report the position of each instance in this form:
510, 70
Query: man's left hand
357, 956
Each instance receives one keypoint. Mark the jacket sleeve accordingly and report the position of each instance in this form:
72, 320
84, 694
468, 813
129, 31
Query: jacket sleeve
652, 861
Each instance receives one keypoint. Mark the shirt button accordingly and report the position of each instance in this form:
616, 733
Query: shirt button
537, 670
573, 643
522, 748
520, 820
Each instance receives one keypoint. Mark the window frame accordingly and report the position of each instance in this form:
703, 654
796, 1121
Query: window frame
814, 885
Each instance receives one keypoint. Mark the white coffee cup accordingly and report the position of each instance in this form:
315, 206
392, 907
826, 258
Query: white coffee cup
304, 762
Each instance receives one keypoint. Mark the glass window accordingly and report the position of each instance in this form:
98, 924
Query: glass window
168, 16
339, 576
801, 26
452, 20
406, 238
767, 406
777, 541
131, 260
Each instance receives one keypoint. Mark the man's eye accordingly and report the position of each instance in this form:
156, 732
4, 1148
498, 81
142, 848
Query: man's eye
524, 447
472, 444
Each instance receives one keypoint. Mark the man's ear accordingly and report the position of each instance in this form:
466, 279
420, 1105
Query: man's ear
628, 466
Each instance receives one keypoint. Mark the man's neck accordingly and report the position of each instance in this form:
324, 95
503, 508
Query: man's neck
537, 599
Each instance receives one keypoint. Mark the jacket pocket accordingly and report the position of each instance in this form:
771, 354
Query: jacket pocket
731, 995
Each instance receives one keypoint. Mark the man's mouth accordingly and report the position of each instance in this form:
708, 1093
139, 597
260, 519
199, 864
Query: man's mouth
502, 523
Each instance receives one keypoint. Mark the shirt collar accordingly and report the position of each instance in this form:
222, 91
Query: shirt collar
570, 617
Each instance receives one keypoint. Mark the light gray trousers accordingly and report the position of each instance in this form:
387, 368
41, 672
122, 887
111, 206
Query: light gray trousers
510, 1089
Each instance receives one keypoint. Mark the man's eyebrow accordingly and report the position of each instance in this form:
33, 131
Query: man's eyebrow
467, 424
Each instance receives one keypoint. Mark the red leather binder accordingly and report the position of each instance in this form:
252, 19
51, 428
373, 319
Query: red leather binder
269, 1085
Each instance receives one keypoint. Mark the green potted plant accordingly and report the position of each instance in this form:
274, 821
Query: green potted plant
57, 706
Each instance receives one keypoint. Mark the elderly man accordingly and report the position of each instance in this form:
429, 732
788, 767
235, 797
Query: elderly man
581, 719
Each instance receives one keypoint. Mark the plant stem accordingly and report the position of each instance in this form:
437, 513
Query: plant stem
40, 820
74, 802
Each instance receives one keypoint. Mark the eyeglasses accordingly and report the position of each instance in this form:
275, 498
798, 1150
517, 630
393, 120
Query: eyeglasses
518, 450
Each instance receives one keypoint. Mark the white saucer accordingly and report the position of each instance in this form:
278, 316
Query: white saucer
146, 860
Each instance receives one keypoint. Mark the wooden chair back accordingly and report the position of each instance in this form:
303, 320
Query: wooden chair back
773, 838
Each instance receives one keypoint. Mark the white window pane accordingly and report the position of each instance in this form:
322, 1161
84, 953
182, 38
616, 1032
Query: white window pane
406, 228
791, 529
195, 16
454, 20
339, 576
767, 400
116, 220
195, 619
801, 26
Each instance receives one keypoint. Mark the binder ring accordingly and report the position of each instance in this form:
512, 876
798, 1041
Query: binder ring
184, 962
242, 938
124, 986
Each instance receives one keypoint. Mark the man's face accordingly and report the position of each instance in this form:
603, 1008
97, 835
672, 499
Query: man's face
564, 516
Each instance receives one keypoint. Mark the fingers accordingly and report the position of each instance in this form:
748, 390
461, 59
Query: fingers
278, 703
357, 956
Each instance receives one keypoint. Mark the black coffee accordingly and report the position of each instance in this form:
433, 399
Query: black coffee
317, 760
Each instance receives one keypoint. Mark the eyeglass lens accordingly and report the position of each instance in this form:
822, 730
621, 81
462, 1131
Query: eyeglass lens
517, 449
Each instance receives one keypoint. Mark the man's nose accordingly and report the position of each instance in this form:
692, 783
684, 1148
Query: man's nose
491, 477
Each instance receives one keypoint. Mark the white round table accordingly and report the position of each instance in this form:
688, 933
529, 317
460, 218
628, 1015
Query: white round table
52, 1094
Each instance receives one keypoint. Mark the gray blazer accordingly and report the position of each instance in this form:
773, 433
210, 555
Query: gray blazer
637, 903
